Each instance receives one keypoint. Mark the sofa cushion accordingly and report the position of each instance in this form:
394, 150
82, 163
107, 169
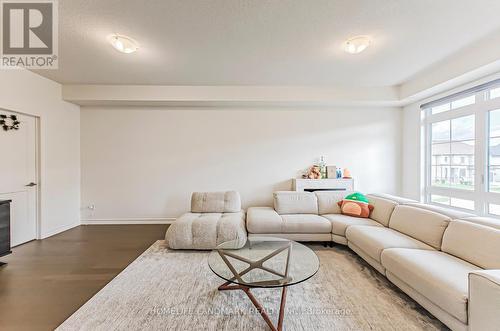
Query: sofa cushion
340, 222
477, 244
306, 223
424, 225
451, 213
288, 202
264, 220
215, 202
487, 221
440, 277
327, 201
382, 209
206, 230
373, 240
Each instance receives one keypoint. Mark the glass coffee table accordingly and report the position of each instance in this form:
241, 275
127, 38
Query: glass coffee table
264, 262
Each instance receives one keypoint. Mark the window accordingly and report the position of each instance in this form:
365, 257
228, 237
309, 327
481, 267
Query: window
462, 102
442, 200
494, 209
452, 202
463, 150
494, 93
452, 158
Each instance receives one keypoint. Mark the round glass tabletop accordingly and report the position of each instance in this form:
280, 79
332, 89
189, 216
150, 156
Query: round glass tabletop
264, 262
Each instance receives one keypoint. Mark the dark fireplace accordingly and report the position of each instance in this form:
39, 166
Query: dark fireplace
4, 228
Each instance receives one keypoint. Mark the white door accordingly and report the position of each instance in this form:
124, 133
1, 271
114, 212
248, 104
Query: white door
18, 177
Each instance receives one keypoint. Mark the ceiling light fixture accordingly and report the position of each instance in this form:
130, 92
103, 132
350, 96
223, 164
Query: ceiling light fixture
356, 44
123, 44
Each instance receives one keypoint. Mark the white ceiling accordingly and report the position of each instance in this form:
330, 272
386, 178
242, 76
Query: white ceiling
264, 42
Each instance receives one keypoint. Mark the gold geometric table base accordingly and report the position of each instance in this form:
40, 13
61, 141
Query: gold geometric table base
245, 287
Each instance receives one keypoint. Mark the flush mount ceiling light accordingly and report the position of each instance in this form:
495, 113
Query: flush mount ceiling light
356, 44
123, 44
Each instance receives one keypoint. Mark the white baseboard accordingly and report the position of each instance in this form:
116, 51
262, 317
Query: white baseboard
111, 221
58, 230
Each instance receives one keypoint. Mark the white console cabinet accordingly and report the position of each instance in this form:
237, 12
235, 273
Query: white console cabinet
340, 184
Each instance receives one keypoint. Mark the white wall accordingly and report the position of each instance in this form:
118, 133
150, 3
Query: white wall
412, 170
143, 163
25, 92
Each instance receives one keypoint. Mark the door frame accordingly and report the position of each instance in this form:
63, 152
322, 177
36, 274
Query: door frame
38, 227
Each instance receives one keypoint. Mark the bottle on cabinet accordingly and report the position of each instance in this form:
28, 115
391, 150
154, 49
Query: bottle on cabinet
322, 167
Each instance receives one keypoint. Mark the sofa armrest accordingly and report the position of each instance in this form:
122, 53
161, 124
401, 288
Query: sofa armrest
484, 300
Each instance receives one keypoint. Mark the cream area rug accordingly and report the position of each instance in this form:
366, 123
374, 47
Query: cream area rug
176, 290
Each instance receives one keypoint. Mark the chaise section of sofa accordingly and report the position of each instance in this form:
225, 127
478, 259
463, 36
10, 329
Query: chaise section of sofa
215, 218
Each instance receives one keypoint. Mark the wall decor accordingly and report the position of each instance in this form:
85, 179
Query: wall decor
9, 122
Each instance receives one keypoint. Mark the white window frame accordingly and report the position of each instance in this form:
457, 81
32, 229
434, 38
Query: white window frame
480, 194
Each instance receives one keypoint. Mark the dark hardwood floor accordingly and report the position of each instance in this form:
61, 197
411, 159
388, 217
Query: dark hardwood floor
45, 281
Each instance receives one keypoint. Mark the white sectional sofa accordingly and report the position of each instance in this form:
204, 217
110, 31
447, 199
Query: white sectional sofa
447, 261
